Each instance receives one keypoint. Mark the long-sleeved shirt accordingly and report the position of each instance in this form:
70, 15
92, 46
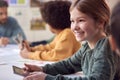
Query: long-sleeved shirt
11, 29
63, 46
99, 63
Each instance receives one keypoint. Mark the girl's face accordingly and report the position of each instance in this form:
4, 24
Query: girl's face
83, 26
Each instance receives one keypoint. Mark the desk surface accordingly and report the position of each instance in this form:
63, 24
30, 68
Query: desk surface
9, 56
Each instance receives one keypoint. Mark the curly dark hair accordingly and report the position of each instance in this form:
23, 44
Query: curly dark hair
3, 3
56, 14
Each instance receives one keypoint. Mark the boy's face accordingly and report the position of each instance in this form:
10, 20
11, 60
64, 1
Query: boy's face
3, 15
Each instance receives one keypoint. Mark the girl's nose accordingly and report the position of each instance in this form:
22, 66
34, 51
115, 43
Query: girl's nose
75, 26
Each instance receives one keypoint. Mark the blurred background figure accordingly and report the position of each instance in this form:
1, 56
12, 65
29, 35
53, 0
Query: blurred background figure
56, 15
115, 28
115, 35
9, 27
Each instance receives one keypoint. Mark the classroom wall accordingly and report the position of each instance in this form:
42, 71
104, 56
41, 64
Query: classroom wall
111, 3
25, 14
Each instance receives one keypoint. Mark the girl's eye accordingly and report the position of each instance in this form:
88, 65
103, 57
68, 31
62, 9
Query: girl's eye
81, 20
72, 21
77, 21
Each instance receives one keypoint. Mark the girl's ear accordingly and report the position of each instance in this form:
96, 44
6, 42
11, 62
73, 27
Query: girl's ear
100, 24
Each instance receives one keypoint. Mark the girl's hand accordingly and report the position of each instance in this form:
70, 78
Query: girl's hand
32, 68
36, 76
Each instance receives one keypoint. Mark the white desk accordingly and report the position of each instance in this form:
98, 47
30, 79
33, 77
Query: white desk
10, 56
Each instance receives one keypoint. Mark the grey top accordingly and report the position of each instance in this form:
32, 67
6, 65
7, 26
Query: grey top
10, 29
99, 63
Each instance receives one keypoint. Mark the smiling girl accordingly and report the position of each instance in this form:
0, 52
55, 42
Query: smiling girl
89, 21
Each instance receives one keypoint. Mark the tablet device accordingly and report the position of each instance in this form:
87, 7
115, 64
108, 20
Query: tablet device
18, 71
